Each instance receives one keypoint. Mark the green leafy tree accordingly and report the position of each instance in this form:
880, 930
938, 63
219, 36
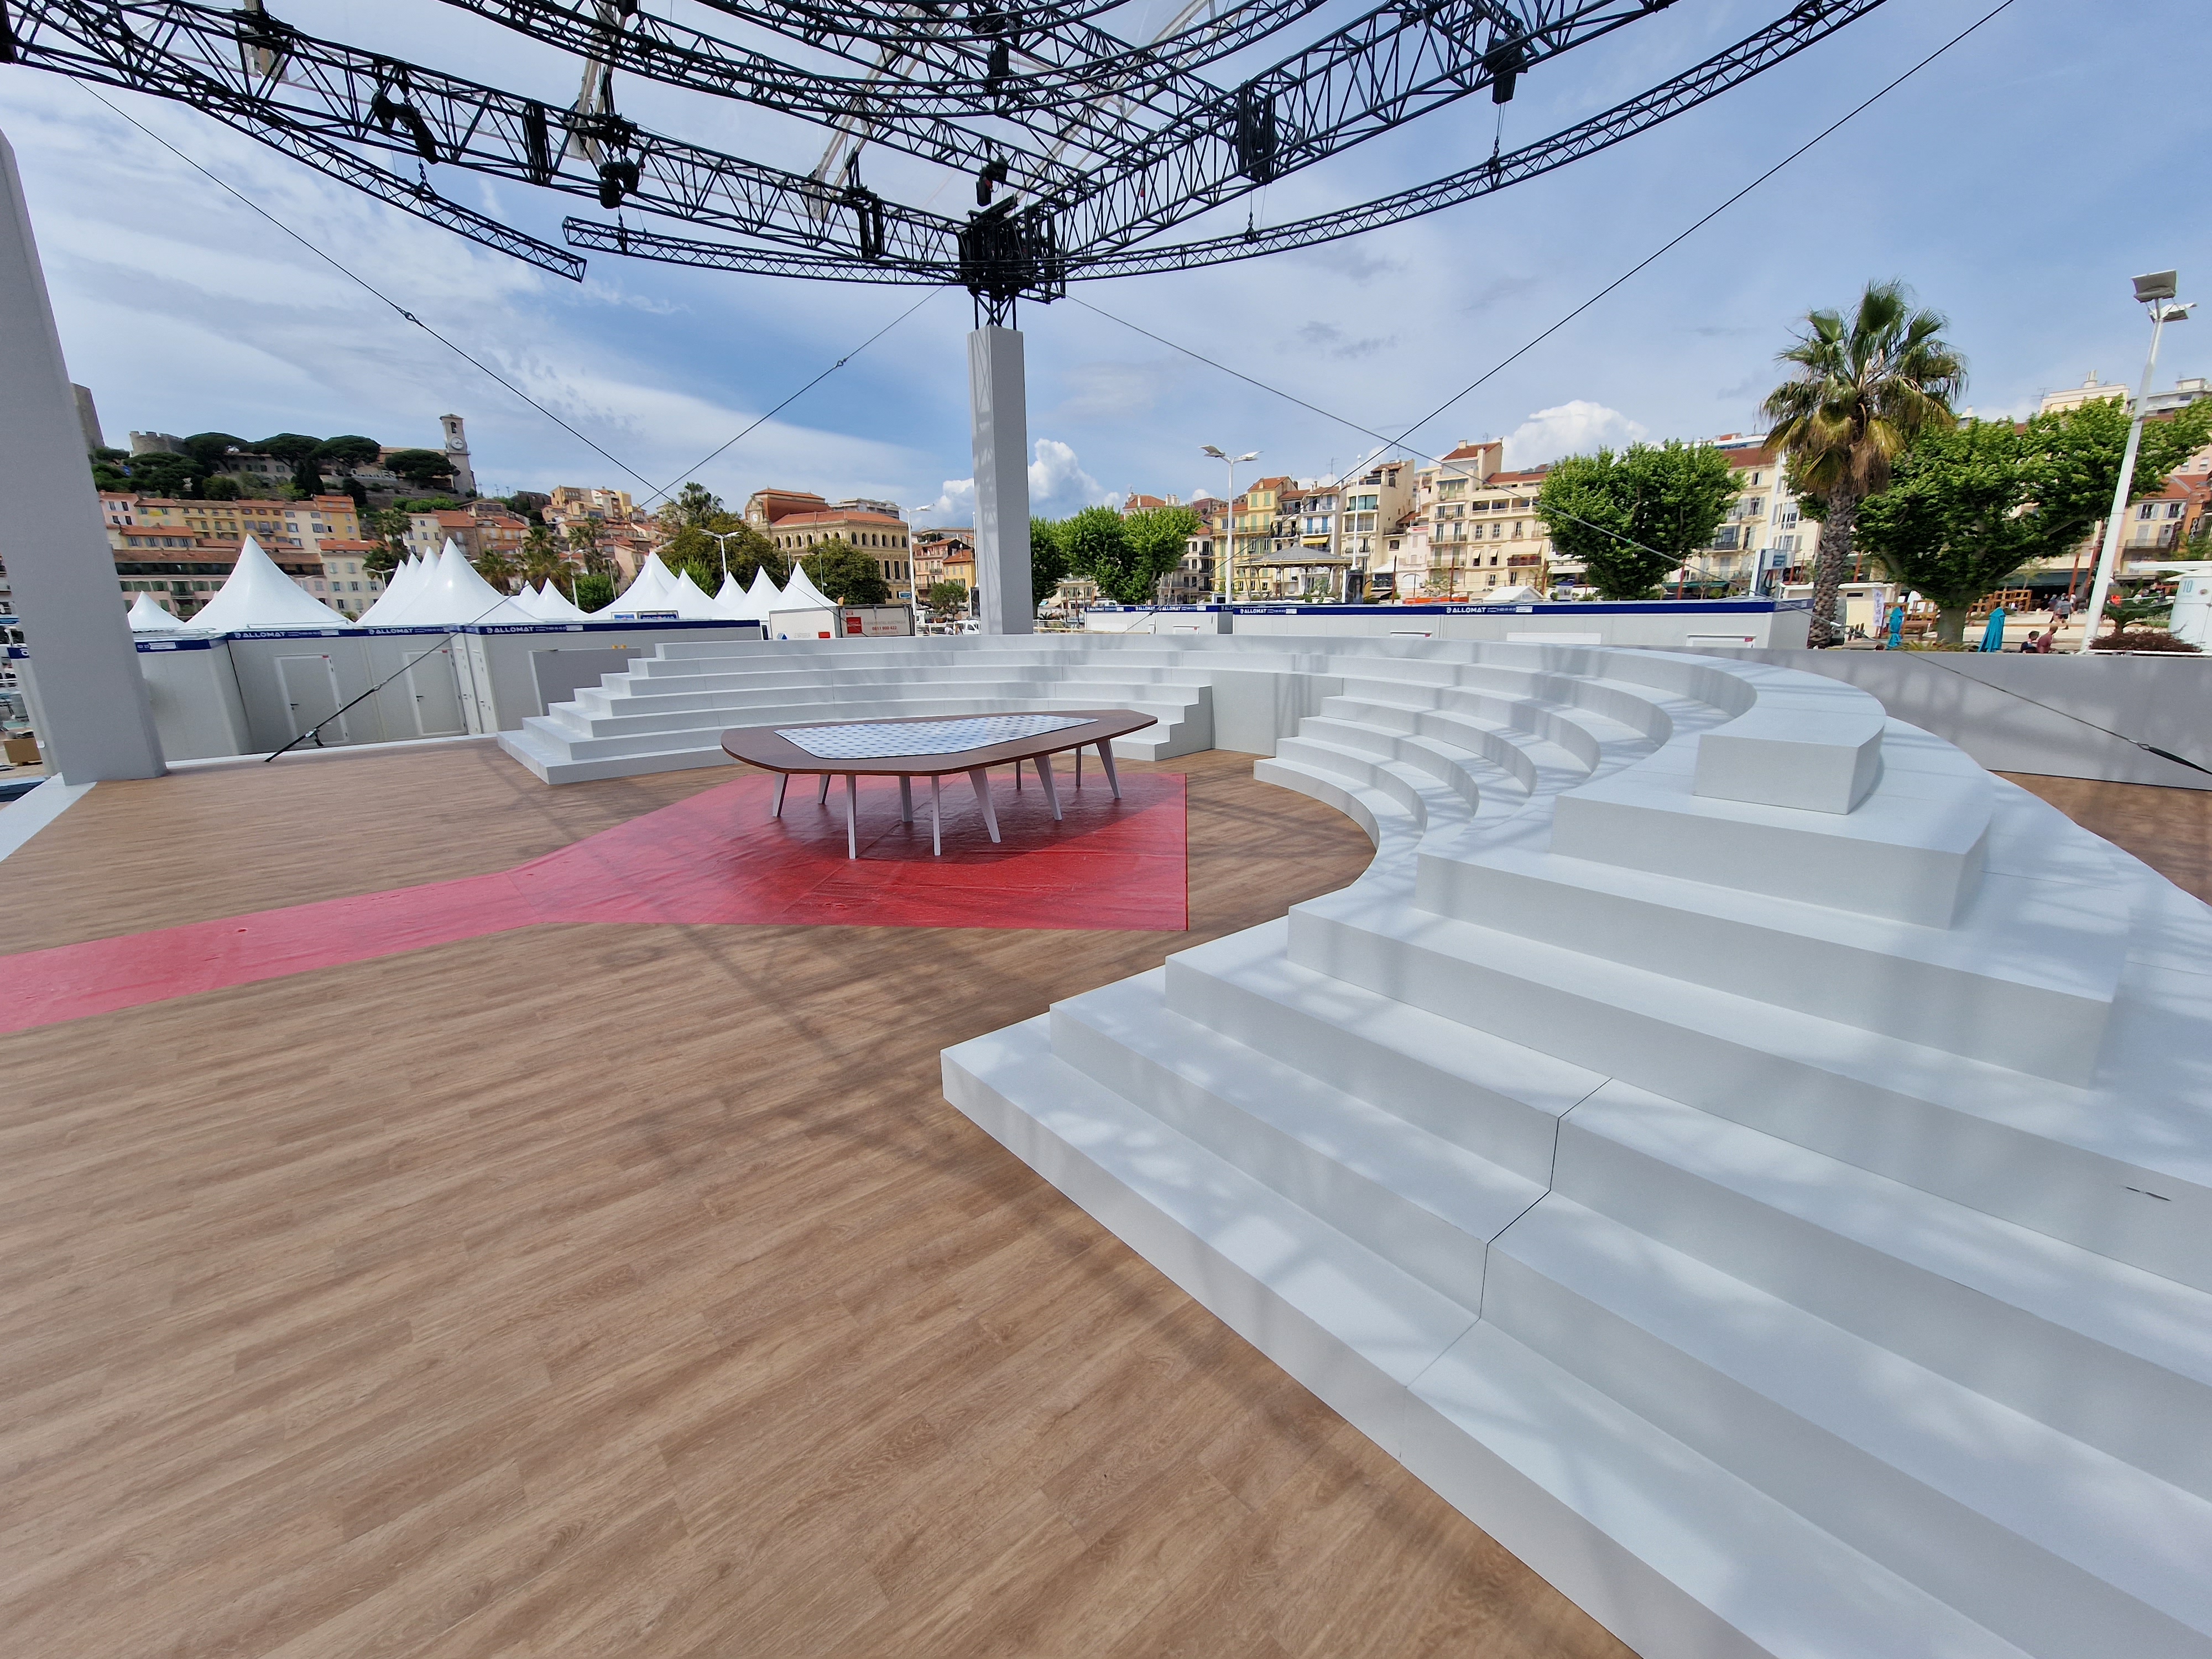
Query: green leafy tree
694, 505
593, 590
846, 574
2080, 451
428, 504
695, 548
529, 504
1047, 558
1096, 540
426, 469
1157, 539
1865, 386
1959, 517
212, 449
947, 598
221, 487
307, 477
106, 475
357, 493
347, 449
287, 446
1633, 517
167, 474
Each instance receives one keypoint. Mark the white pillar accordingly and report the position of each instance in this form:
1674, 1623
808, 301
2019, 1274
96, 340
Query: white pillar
999, 407
98, 725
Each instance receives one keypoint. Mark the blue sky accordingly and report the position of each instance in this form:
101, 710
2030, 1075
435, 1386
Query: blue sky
2016, 184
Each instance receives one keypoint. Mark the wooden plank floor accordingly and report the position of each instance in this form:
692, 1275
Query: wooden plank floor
632, 1291
2169, 829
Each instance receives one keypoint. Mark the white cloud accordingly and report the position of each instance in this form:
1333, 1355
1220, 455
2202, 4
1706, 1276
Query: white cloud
1058, 487
1569, 428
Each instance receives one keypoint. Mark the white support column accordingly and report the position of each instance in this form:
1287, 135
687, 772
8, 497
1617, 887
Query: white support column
999, 406
98, 724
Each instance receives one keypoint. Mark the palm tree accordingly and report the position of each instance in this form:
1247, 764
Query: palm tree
544, 559
1864, 387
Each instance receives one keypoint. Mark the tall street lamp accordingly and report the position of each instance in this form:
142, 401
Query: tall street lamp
722, 541
1232, 462
2155, 292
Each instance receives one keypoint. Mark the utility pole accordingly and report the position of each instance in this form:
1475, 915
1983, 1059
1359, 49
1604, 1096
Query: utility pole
2156, 293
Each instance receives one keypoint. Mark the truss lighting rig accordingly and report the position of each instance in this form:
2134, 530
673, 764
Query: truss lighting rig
1087, 150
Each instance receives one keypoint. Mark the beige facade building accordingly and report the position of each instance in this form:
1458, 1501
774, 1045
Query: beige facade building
798, 524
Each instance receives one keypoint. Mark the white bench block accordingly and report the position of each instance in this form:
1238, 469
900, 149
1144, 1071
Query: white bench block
1821, 762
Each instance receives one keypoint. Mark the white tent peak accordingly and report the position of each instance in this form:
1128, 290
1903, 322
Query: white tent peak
692, 602
801, 594
555, 606
259, 595
147, 618
450, 594
764, 594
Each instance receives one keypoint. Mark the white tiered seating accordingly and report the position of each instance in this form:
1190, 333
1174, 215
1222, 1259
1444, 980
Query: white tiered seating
1789, 1230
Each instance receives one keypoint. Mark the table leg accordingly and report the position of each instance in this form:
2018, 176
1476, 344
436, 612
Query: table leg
936, 820
1106, 760
1078, 766
981, 779
906, 799
1051, 790
782, 782
821, 798
852, 808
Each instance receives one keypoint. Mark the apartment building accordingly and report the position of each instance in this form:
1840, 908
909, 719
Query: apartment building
181, 552
934, 550
884, 536
1407, 566
1252, 538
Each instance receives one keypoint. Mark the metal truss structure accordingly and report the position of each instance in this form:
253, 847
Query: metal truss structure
1086, 149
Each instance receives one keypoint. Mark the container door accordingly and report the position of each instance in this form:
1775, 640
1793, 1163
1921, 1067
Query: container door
309, 686
435, 694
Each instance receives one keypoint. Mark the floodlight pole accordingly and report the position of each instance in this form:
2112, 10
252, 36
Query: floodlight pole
998, 408
2162, 310
94, 719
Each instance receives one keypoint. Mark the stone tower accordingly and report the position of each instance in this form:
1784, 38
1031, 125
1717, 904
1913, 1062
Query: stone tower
456, 452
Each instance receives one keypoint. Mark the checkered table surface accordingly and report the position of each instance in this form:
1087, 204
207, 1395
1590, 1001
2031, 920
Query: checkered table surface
879, 739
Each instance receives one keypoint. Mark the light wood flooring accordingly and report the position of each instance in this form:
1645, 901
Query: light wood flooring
599, 1291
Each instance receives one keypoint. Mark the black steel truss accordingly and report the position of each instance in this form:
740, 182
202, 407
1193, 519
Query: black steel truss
1083, 147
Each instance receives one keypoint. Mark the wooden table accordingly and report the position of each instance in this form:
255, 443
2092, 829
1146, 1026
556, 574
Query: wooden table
835, 748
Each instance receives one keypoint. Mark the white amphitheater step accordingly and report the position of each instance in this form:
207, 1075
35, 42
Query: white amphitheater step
1486, 1093
1426, 1203
1432, 802
2112, 1355
1484, 784
2060, 1548
1682, 1559
2036, 1151
1672, 1552
2024, 977
1347, 1323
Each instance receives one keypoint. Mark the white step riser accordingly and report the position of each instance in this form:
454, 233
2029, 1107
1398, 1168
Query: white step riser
2039, 1182
1509, 1132
1376, 815
1712, 1570
2043, 1603
1463, 771
2032, 1028
2131, 1406
1445, 1257
1429, 802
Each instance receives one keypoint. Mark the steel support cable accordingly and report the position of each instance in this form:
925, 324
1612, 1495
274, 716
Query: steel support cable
1400, 442
339, 94
477, 363
1746, 58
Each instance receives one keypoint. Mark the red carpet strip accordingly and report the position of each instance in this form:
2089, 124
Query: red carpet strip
716, 858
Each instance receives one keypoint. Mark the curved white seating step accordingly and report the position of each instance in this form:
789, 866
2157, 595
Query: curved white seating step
1861, 1302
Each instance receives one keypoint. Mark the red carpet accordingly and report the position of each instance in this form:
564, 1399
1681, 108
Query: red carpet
717, 858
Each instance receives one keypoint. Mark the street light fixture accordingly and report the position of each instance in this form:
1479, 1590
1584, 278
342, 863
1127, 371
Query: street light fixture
1232, 462
2155, 292
722, 541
